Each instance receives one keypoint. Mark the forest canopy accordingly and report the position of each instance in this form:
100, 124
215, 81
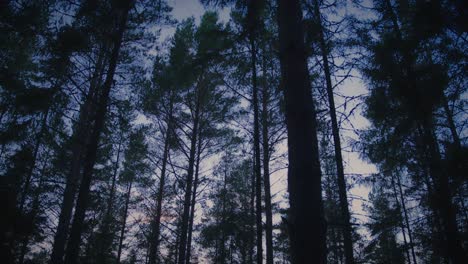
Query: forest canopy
224, 131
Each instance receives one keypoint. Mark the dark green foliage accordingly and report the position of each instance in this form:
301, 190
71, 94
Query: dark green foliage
383, 224
227, 225
126, 136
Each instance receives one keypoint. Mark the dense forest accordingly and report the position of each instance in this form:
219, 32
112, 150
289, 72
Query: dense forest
224, 131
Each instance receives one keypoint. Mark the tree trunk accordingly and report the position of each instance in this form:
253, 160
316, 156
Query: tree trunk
253, 19
32, 165
451, 123
90, 158
194, 196
405, 214
342, 190
80, 139
453, 246
306, 216
106, 236
444, 204
402, 225
222, 254
177, 242
266, 169
124, 221
252, 213
154, 256
188, 188
433, 219
33, 213
256, 142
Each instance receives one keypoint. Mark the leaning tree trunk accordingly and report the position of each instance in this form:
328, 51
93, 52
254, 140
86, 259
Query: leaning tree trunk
347, 232
402, 225
80, 139
306, 217
406, 217
91, 152
38, 143
33, 162
33, 213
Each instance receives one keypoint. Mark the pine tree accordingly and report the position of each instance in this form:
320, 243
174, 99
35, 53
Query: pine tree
385, 219
306, 219
407, 90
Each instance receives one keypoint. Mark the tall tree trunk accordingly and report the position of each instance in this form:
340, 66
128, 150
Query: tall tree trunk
433, 219
252, 212
307, 226
450, 122
342, 190
91, 152
124, 221
453, 246
32, 165
79, 139
154, 244
402, 225
406, 217
266, 168
188, 188
177, 243
256, 142
194, 196
33, 213
222, 254
106, 235
254, 8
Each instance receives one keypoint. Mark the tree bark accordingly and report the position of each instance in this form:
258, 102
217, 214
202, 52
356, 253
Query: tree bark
306, 216
91, 152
